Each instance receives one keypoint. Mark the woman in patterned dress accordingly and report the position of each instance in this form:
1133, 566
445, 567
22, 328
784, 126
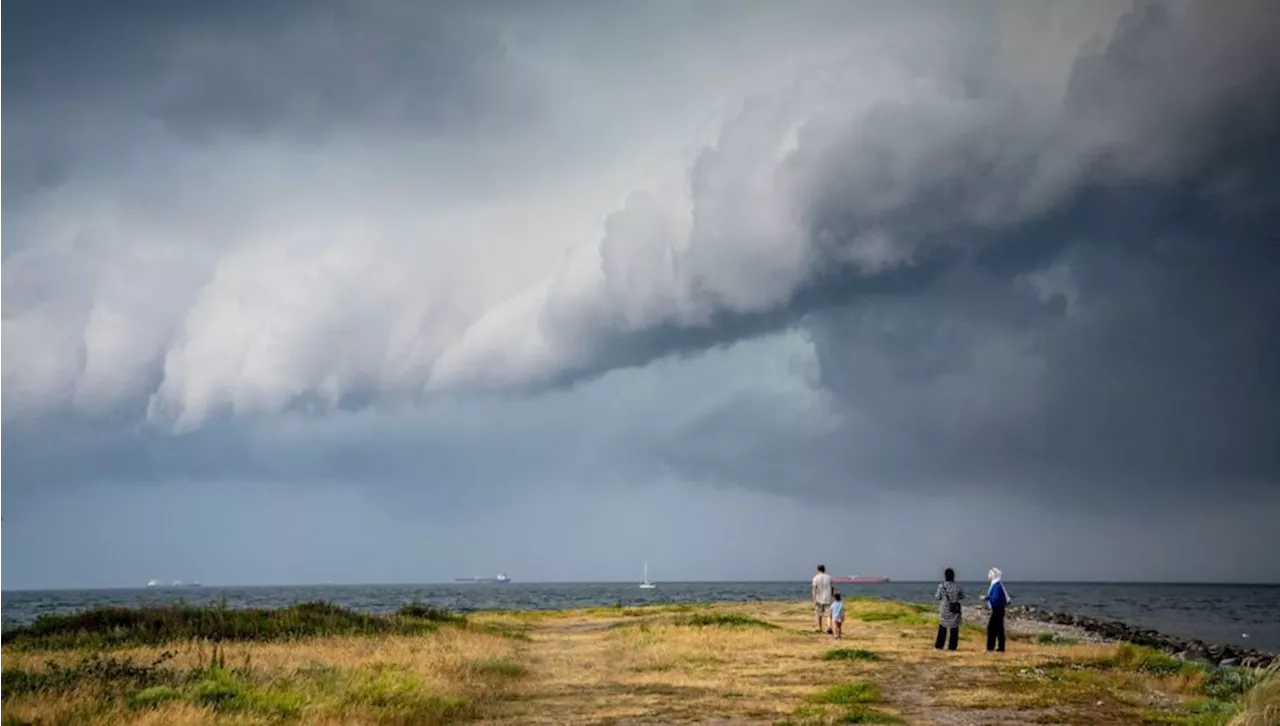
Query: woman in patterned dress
948, 596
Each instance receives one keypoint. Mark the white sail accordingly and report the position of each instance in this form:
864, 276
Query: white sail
646, 584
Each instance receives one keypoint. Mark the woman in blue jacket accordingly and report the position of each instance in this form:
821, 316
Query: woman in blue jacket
997, 599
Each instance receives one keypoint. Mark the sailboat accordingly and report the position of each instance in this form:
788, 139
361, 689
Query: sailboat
646, 585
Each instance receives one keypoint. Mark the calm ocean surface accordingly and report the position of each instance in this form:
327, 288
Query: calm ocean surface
1213, 613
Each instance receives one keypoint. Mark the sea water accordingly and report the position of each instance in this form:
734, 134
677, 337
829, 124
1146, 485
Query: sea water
1214, 613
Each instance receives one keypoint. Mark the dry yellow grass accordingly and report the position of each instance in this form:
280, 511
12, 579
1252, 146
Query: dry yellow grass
646, 666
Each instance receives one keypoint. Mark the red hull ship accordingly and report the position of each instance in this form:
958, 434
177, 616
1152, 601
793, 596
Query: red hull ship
860, 579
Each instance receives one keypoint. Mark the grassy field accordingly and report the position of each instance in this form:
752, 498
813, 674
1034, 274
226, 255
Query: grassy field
756, 663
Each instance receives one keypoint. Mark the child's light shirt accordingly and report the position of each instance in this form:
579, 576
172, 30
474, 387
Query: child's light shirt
837, 610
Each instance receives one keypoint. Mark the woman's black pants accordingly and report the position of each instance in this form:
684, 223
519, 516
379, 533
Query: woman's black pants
995, 630
942, 638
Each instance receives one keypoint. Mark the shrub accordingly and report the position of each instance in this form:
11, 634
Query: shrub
152, 625
423, 611
1146, 660
1261, 705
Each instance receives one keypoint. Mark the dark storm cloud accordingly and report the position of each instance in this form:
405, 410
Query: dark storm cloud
1153, 375
259, 68
1149, 371
1050, 291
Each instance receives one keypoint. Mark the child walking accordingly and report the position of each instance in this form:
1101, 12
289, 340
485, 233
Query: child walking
837, 615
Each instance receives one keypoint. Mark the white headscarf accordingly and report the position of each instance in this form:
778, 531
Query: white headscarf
994, 575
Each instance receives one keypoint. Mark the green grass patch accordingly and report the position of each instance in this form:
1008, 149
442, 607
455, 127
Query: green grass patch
224, 690
850, 654
1147, 660
836, 713
850, 693
723, 620
154, 696
114, 627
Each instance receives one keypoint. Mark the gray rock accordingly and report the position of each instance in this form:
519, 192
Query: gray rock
1228, 662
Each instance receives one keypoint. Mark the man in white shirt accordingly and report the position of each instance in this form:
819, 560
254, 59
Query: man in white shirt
821, 591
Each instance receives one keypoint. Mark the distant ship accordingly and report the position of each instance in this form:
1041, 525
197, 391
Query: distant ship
860, 579
502, 578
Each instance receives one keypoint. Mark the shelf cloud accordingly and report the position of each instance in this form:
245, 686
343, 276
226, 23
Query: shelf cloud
936, 249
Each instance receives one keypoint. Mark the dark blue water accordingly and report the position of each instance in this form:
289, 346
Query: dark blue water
1213, 613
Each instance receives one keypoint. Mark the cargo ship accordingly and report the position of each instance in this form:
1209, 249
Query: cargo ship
502, 578
861, 579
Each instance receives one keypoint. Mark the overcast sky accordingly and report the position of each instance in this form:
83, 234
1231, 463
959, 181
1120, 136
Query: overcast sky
399, 291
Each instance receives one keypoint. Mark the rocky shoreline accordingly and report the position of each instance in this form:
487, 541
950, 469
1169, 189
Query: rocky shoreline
1220, 655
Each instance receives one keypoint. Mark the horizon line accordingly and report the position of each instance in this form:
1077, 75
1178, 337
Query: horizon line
188, 586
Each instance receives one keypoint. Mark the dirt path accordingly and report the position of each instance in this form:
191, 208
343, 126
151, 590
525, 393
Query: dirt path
661, 668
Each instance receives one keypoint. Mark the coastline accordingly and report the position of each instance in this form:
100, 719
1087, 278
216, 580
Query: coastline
733, 662
1085, 627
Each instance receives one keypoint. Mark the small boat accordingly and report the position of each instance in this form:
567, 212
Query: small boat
646, 585
153, 583
501, 579
861, 579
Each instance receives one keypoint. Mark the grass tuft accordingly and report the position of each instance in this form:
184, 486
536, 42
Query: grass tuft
154, 696
845, 694
724, 620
